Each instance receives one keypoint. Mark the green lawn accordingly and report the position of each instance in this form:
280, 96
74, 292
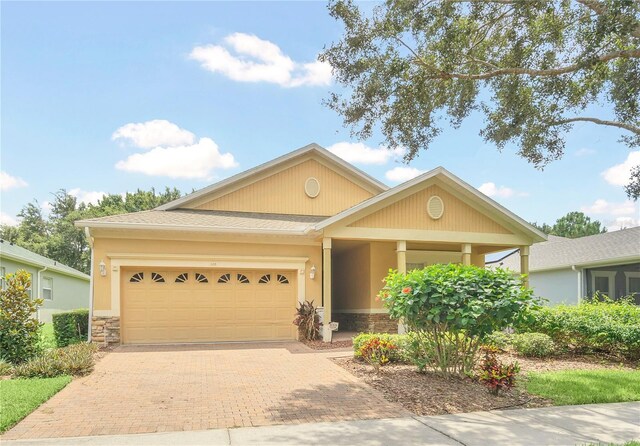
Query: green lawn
20, 397
585, 386
47, 338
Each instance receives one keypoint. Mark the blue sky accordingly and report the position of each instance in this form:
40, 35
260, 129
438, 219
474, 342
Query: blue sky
114, 96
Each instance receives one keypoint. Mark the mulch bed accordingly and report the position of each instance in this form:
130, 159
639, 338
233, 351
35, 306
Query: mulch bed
431, 394
321, 345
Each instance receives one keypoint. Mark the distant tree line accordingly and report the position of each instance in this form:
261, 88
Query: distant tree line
55, 236
572, 225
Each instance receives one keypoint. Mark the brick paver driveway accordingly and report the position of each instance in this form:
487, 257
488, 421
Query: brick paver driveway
173, 388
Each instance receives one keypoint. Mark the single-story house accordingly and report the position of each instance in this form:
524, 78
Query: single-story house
566, 270
231, 261
62, 287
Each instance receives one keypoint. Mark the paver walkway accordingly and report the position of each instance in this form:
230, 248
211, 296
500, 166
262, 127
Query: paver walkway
597, 424
183, 388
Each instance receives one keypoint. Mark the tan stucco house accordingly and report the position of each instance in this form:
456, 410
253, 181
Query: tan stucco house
231, 261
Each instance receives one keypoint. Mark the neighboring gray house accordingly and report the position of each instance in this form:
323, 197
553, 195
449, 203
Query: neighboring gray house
62, 287
565, 270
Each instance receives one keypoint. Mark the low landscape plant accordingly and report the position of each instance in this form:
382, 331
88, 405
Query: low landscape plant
19, 326
377, 352
5, 368
71, 327
397, 340
498, 339
76, 359
307, 321
537, 345
453, 307
494, 374
612, 327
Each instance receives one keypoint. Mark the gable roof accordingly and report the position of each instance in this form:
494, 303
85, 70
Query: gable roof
621, 246
209, 221
19, 254
447, 177
312, 148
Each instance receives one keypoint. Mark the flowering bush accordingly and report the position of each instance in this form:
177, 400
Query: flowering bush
377, 352
496, 375
398, 340
452, 307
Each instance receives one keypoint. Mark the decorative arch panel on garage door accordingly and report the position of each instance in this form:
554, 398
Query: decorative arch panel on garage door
160, 305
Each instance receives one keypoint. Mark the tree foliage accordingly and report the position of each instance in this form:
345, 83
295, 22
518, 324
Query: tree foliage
532, 68
19, 326
57, 237
573, 225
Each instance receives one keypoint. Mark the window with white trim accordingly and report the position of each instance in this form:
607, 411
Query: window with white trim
633, 282
604, 282
47, 288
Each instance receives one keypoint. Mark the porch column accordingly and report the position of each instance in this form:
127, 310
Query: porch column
326, 288
524, 263
401, 250
466, 254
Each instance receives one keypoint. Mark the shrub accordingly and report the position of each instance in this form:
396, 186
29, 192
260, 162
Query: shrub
537, 345
71, 327
377, 352
19, 326
453, 307
5, 368
308, 321
397, 340
498, 339
610, 327
76, 359
496, 375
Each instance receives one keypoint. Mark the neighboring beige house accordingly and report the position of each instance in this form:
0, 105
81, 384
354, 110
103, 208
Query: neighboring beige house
231, 261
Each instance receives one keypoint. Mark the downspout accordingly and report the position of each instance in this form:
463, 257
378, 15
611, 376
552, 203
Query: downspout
39, 286
90, 240
579, 271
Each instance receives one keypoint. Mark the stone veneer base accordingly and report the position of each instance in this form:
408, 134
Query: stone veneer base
366, 322
105, 331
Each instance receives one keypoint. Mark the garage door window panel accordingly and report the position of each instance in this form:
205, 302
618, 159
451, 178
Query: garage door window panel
137, 278
201, 278
182, 278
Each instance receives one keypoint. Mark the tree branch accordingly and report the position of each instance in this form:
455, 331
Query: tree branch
439, 74
621, 125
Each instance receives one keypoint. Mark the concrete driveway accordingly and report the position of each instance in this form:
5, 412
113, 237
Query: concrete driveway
175, 388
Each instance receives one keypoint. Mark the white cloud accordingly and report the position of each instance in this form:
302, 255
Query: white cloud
490, 189
603, 207
84, 196
189, 161
402, 174
6, 219
150, 134
258, 60
357, 152
10, 182
584, 151
614, 216
619, 174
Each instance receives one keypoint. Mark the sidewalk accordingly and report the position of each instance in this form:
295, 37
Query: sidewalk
567, 425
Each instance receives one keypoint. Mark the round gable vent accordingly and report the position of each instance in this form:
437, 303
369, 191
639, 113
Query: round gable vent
435, 207
312, 187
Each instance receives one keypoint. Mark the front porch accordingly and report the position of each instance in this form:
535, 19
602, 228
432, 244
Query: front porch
354, 272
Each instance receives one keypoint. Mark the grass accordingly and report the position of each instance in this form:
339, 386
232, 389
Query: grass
47, 338
585, 386
20, 397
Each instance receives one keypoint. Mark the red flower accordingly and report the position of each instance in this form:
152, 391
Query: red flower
406, 290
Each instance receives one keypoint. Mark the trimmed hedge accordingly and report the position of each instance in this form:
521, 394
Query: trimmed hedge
537, 345
611, 327
71, 327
